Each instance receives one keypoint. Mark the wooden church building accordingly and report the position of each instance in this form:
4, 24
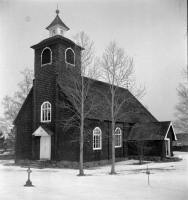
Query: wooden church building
38, 133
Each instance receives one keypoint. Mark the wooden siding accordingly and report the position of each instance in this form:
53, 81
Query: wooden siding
24, 132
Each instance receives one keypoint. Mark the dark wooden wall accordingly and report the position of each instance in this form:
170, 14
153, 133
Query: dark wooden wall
23, 148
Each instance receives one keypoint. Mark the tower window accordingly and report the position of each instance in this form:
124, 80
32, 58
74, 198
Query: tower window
70, 56
61, 32
118, 137
46, 56
97, 138
46, 112
53, 32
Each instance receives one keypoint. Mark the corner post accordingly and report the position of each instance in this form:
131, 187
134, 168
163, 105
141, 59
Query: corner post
34, 120
56, 116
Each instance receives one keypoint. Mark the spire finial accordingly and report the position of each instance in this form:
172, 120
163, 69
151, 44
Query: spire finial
57, 11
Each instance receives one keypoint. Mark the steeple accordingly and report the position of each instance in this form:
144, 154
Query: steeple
57, 27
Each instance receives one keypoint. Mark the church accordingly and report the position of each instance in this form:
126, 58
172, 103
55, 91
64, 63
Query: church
39, 135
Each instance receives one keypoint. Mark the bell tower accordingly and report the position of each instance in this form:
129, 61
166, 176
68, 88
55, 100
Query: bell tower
55, 59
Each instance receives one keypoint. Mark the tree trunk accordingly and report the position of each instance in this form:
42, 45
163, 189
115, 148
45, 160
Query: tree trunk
113, 137
113, 150
82, 131
81, 150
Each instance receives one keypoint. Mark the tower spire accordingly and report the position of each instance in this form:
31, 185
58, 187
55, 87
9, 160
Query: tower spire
57, 27
57, 11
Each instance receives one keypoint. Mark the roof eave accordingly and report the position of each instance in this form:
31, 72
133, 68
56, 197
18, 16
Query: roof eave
50, 27
53, 40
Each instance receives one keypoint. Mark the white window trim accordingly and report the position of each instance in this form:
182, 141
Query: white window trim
120, 138
100, 139
50, 56
66, 56
44, 121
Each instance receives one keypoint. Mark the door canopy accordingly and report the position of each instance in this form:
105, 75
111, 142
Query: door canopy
43, 131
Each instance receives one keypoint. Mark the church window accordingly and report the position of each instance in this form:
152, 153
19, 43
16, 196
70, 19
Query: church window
46, 112
46, 56
70, 56
97, 138
118, 137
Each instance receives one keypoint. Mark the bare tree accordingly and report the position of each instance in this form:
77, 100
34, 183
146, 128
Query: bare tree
13, 104
141, 147
82, 100
7, 134
118, 71
181, 114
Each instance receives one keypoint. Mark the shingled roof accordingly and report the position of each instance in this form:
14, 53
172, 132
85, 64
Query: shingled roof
132, 111
151, 131
53, 40
56, 21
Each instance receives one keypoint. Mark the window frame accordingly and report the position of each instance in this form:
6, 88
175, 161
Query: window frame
53, 32
61, 32
66, 56
119, 136
43, 111
50, 56
95, 140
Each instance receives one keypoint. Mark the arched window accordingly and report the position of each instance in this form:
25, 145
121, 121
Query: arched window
69, 56
97, 138
46, 112
118, 137
46, 56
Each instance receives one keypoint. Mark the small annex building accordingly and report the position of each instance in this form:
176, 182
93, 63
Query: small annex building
158, 135
39, 134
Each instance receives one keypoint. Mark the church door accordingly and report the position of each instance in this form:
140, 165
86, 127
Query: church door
45, 147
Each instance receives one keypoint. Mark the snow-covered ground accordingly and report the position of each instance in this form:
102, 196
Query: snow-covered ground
168, 181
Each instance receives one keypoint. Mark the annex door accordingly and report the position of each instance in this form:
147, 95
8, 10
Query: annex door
167, 144
45, 147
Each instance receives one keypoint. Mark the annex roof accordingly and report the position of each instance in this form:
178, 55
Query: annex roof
151, 131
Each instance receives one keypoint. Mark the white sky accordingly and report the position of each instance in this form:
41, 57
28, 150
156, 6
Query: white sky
150, 31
